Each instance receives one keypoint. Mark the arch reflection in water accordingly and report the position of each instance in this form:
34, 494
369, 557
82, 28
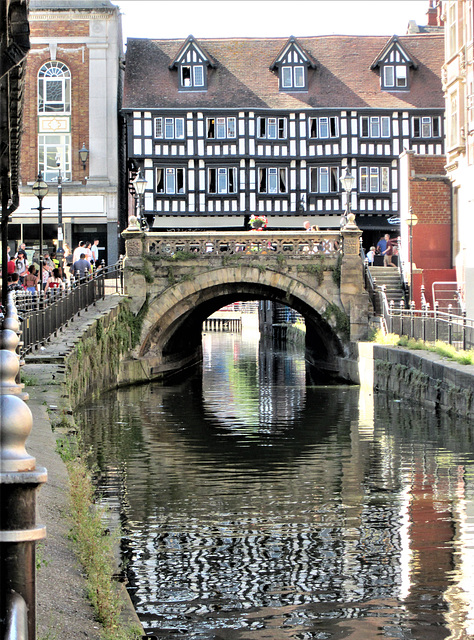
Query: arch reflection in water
290, 520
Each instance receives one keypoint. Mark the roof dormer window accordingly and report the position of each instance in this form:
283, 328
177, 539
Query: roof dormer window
192, 63
394, 62
192, 76
293, 63
293, 77
395, 76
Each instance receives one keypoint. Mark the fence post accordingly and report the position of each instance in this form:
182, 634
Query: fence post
390, 313
436, 327
450, 324
464, 336
424, 317
412, 319
402, 315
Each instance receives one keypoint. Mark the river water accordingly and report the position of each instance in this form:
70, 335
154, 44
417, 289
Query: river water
257, 506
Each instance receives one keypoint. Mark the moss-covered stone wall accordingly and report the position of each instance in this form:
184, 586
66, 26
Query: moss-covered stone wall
94, 363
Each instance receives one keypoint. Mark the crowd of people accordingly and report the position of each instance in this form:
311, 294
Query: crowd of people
57, 267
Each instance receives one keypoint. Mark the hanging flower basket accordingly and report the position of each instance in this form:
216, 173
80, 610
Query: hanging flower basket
258, 221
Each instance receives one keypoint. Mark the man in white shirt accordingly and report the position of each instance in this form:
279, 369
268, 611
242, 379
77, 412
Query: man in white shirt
77, 252
95, 251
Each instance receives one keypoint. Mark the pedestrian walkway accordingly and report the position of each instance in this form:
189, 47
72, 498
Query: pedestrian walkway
62, 607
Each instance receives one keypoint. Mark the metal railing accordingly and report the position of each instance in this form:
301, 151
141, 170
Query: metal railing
429, 325
44, 314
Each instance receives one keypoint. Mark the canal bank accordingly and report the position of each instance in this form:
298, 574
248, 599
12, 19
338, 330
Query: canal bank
63, 609
85, 356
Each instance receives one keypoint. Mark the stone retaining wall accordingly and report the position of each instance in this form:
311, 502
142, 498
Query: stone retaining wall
420, 376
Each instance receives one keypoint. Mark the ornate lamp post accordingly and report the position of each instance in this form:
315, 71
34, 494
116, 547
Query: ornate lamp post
140, 184
40, 189
411, 222
347, 181
60, 249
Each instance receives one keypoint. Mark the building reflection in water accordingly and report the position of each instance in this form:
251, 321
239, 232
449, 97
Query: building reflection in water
253, 504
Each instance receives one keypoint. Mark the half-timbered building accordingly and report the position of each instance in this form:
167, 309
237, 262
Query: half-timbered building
226, 128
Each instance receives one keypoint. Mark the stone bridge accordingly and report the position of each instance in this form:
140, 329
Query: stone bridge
175, 280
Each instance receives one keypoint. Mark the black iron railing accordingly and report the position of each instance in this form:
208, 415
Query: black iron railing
426, 324
44, 314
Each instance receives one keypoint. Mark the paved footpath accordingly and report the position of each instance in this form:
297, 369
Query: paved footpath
63, 610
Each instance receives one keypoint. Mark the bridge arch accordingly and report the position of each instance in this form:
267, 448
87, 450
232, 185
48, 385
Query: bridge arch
172, 326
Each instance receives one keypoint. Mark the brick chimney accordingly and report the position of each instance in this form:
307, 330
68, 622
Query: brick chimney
434, 14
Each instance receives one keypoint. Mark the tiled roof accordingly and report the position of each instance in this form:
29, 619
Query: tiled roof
242, 78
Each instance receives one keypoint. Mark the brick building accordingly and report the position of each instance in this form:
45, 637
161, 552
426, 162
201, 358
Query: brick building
223, 128
458, 84
71, 97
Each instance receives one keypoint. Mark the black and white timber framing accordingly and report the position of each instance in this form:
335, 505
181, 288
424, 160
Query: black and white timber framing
218, 142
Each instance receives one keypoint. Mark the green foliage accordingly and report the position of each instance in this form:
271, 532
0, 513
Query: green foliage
40, 559
229, 258
336, 270
338, 318
441, 348
28, 381
180, 256
316, 268
99, 330
171, 276
281, 260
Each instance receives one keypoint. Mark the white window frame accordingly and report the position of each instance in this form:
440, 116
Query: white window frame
331, 123
170, 178
222, 125
376, 126
54, 73
274, 176
278, 125
169, 128
426, 126
196, 79
327, 179
395, 76
374, 179
50, 147
224, 179
293, 77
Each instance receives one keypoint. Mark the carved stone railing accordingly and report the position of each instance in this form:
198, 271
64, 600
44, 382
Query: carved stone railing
265, 243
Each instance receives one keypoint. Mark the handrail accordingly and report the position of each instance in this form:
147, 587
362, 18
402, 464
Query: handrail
43, 314
16, 627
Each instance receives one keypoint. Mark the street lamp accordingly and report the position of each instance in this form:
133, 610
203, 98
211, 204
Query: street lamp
60, 249
347, 181
83, 155
411, 222
40, 189
140, 184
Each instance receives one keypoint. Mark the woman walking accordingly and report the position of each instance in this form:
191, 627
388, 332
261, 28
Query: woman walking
30, 281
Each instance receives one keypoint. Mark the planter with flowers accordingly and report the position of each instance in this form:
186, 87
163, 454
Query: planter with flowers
258, 222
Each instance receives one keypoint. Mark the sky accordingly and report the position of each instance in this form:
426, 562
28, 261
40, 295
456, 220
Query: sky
267, 18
